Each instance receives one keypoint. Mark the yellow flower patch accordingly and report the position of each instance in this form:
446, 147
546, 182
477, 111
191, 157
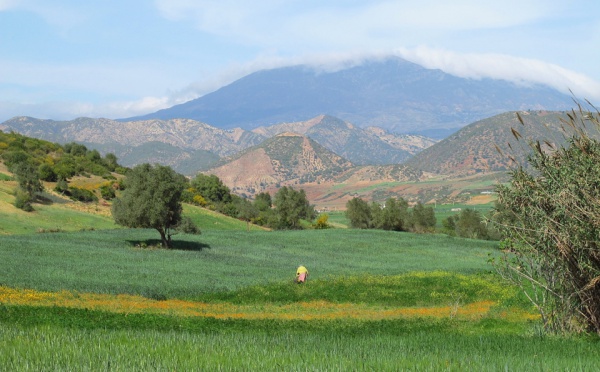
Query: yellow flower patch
313, 310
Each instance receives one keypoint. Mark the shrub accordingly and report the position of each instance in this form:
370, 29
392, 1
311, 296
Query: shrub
23, 201
107, 192
550, 218
62, 186
322, 222
82, 195
187, 226
46, 173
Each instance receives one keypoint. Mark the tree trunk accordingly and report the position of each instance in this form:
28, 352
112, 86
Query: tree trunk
163, 238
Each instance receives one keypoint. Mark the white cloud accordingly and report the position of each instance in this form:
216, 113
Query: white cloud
7, 4
467, 65
498, 66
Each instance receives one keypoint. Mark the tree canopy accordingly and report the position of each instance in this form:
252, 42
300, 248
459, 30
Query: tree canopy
151, 199
290, 207
359, 213
394, 214
212, 188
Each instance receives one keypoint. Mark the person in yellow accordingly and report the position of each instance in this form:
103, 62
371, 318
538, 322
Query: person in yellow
301, 274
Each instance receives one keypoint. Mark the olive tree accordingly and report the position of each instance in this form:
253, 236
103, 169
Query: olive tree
392, 215
359, 213
151, 199
28, 178
290, 207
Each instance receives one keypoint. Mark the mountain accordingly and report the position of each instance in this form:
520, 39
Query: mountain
288, 158
361, 146
183, 133
391, 93
473, 149
186, 145
296, 160
189, 146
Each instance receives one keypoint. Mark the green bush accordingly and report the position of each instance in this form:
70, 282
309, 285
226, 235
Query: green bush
23, 201
62, 186
46, 173
107, 192
322, 222
187, 226
82, 195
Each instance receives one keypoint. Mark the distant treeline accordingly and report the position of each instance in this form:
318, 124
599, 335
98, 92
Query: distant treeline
395, 215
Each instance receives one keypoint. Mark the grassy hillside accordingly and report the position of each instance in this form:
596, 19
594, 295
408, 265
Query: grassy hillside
62, 214
65, 216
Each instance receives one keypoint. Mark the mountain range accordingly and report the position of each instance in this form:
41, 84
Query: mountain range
190, 146
335, 132
285, 154
393, 94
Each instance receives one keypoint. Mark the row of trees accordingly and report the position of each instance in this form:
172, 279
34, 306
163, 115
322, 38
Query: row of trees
394, 214
153, 196
284, 211
469, 223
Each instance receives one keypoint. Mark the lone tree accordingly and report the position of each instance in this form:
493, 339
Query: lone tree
551, 216
151, 199
291, 206
28, 178
359, 213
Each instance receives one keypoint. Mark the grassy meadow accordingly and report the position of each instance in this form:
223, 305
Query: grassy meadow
79, 293
225, 300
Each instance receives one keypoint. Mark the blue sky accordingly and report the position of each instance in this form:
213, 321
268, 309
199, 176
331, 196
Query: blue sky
64, 59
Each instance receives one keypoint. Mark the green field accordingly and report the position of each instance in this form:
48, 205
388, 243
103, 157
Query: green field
108, 260
342, 319
93, 296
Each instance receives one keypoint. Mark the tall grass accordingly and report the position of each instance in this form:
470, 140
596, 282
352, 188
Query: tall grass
381, 346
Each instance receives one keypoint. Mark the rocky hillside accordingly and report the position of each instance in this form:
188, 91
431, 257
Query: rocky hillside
182, 133
190, 146
288, 158
186, 145
361, 146
296, 160
473, 149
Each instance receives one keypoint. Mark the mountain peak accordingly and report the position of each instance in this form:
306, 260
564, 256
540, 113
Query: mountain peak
392, 93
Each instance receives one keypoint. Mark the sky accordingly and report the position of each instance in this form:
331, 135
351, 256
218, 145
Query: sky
62, 59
